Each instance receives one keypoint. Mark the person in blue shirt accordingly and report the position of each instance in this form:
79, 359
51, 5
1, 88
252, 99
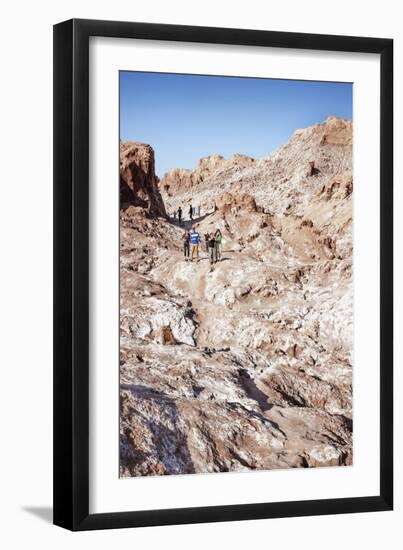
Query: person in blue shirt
194, 242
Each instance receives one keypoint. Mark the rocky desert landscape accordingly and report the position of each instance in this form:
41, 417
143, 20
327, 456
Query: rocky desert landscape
245, 364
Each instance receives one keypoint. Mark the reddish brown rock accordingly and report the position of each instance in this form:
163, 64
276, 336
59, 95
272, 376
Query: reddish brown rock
337, 132
235, 202
138, 182
179, 180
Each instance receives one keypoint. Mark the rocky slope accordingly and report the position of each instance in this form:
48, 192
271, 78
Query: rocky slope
179, 180
246, 364
282, 183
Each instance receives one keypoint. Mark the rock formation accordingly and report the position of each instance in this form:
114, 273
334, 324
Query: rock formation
138, 182
245, 364
180, 179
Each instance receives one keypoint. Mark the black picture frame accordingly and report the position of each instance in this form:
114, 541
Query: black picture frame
71, 274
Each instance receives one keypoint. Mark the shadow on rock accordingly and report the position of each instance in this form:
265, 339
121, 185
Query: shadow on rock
253, 391
188, 224
153, 441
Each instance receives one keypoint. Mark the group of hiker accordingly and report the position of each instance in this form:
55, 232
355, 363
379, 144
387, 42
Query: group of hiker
212, 242
193, 212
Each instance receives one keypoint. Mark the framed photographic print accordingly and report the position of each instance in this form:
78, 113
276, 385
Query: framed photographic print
223, 320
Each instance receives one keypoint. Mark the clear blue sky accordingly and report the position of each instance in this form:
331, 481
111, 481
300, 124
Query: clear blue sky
185, 117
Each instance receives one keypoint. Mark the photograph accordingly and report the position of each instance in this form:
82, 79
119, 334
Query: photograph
236, 274
200, 322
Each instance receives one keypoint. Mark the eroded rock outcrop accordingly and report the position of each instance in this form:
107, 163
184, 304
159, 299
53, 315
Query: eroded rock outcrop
138, 182
235, 202
283, 183
179, 180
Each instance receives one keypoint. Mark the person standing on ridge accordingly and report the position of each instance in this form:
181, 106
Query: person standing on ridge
198, 211
212, 249
180, 215
194, 241
218, 245
191, 212
186, 244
